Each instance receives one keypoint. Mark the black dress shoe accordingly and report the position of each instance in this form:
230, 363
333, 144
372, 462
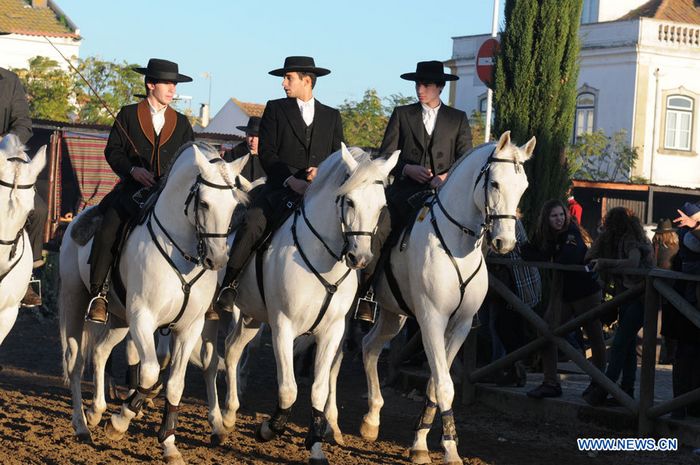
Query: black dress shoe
545, 390
596, 396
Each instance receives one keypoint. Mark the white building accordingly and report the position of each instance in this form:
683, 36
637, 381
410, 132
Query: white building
25, 27
233, 113
640, 63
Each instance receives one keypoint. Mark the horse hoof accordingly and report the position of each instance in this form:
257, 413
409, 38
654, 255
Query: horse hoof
175, 459
264, 433
338, 438
218, 439
84, 438
93, 419
369, 432
421, 456
111, 432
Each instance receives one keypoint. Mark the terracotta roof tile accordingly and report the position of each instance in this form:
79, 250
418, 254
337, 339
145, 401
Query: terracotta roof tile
18, 17
680, 11
251, 109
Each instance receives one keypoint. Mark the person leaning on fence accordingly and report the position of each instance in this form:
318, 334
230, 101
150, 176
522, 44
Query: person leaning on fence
558, 238
686, 368
622, 244
15, 119
506, 324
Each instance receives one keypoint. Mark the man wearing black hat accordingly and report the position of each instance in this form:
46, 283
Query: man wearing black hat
141, 146
431, 137
253, 169
296, 134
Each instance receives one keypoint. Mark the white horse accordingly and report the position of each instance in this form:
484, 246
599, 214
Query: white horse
309, 280
441, 279
17, 177
168, 268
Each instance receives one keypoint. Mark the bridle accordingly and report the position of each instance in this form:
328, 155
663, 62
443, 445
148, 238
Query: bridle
331, 288
485, 227
20, 234
192, 198
341, 201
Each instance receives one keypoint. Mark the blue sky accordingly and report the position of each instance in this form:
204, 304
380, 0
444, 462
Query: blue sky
366, 44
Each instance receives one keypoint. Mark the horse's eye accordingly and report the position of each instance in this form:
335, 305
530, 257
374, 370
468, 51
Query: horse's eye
351, 204
494, 184
203, 205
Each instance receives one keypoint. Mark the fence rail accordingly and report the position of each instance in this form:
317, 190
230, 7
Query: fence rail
655, 285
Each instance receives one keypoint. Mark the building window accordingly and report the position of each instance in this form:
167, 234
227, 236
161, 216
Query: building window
585, 114
482, 105
679, 122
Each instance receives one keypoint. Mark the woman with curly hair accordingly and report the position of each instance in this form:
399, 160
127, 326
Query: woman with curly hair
621, 244
560, 239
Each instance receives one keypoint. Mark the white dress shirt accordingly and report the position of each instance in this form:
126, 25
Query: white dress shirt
158, 117
307, 110
429, 116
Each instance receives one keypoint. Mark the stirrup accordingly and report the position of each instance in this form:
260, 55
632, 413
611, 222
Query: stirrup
87, 311
373, 305
233, 286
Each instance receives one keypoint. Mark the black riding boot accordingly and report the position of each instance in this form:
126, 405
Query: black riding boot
101, 260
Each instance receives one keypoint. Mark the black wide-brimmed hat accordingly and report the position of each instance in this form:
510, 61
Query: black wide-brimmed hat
253, 126
303, 64
429, 71
664, 225
163, 70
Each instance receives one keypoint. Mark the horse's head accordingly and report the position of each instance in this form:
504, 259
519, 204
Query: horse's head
360, 200
502, 183
17, 178
210, 205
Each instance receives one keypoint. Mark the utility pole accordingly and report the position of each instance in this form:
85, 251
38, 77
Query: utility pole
489, 92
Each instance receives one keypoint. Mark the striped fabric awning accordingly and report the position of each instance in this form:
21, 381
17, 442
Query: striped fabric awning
95, 177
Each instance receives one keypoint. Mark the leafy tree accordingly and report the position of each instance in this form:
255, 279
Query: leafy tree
49, 89
535, 90
115, 83
596, 157
364, 122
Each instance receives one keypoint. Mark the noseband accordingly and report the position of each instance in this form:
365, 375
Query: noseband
20, 234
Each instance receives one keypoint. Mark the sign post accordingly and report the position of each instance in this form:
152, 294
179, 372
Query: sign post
485, 62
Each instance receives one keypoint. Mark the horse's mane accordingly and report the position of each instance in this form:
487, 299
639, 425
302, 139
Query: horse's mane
510, 146
212, 155
333, 172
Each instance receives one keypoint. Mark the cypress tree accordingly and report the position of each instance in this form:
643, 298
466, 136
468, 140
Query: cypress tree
535, 90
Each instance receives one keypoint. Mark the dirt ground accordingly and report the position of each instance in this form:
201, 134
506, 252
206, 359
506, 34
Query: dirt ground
35, 420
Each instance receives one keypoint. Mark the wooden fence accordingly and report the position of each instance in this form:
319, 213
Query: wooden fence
656, 285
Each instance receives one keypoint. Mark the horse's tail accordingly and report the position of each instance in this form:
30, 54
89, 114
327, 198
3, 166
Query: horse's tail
72, 302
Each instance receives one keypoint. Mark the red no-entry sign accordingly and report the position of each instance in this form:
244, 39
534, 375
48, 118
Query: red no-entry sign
486, 60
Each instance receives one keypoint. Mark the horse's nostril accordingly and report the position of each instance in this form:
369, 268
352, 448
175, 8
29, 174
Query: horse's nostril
352, 258
209, 262
498, 243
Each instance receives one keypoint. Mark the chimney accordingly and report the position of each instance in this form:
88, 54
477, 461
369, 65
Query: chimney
204, 115
40, 3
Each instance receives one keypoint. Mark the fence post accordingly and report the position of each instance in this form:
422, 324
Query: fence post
646, 388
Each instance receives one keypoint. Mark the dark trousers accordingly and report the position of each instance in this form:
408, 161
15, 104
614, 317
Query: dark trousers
268, 210
35, 229
622, 357
117, 208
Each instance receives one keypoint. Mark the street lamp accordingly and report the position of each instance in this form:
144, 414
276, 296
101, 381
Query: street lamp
209, 76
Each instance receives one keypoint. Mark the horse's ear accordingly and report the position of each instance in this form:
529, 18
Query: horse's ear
503, 141
238, 164
37, 163
202, 162
245, 185
347, 158
390, 163
529, 148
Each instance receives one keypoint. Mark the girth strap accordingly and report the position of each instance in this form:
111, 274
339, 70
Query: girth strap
395, 288
331, 289
186, 286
